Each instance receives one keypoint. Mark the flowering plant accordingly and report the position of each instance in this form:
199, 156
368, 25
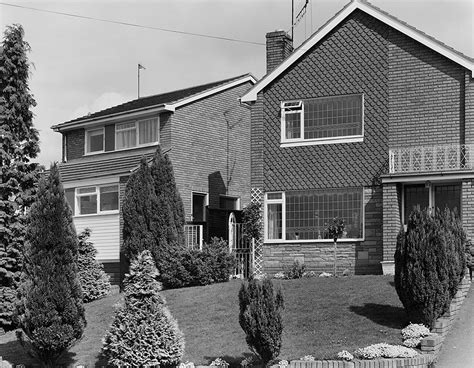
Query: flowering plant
218, 362
345, 355
283, 363
308, 358
384, 350
413, 333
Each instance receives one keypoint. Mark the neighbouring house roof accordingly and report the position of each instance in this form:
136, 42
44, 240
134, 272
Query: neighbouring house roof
168, 101
377, 13
98, 166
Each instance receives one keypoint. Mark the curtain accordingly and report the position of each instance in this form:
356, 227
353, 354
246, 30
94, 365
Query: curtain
148, 131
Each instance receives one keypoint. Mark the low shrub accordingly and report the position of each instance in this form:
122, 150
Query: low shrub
260, 318
345, 355
295, 271
143, 332
384, 350
413, 334
196, 268
94, 281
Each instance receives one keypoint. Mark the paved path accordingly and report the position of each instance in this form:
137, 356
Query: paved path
458, 347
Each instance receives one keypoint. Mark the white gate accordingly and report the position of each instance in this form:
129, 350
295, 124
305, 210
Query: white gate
242, 247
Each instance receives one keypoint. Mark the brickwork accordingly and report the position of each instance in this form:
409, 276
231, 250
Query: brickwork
469, 107
391, 220
279, 47
75, 144
256, 143
359, 257
210, 148
467, 207
426, 95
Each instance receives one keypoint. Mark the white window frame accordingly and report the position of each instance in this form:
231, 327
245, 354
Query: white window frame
86, 140
282, 201
206, 203
231, 197
295, 142
431, 196
98, 212
137, 133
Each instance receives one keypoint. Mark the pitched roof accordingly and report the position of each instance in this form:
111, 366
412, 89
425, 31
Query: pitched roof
166, 101
338, 18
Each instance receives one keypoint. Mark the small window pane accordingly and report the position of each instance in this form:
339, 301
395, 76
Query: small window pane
109, 198
293, 125
95, 140
274, 195
274, 221
416, 197
448, 196
86, 190
87, 204
148, 131
199, 207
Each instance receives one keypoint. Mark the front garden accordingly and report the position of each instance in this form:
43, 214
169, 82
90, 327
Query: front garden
322, 316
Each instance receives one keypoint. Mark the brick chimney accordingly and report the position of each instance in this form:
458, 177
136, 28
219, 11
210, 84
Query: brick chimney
279, 47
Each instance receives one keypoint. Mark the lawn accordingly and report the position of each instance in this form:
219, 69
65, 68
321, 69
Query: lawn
322, 317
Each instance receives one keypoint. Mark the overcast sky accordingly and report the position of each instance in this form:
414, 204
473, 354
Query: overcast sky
83, 66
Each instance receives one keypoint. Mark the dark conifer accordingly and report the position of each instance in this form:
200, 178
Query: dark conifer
18, 177
51, 313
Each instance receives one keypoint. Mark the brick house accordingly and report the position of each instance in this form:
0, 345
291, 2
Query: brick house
205, 131
366, 120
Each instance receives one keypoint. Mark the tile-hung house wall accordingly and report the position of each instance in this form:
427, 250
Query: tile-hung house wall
204, 130
367, 120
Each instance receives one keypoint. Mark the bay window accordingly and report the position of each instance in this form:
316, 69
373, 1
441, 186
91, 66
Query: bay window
97, 200
304, 215
133, 134
323, 120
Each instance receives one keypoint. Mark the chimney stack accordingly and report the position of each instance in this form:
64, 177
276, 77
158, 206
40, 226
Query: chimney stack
279, 47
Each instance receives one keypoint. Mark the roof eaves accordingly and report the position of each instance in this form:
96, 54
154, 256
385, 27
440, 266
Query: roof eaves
379, 14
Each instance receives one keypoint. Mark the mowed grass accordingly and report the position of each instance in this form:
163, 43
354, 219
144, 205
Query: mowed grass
322, 317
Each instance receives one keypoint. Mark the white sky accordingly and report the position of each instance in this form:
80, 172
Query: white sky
83, 66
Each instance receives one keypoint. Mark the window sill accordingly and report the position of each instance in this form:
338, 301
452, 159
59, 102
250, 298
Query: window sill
279, 241
318, 142
122, 149
115, 212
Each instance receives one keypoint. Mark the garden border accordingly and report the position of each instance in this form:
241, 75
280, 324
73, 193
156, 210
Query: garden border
430, 345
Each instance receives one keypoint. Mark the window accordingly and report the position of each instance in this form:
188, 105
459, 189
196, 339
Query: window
96, 200
322, 119
199, 207
128, 135
304, 215
229, 203
95, 140
421, 196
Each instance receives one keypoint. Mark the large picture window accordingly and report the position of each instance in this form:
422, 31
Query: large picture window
323, 119
133, 134
304, 215
97, 200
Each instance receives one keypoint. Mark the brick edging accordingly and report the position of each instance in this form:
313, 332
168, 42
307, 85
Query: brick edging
430, 346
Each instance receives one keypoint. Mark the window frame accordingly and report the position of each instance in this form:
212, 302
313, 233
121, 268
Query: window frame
282, 201
431, 196
206, 204
96, 192
294, 142
137, 133
86, 140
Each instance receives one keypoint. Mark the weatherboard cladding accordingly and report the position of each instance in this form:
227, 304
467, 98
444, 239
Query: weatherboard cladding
150, 101
353, 58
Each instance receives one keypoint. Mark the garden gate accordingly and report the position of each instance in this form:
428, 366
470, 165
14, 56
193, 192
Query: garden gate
242, 247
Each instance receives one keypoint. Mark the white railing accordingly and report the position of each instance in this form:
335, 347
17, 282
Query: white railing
431, 158
193, 235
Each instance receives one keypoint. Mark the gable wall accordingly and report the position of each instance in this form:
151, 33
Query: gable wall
351, 59
199, 147
426, 103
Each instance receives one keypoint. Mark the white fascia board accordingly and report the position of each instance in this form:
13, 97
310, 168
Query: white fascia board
212, 91
251, 95
131, 114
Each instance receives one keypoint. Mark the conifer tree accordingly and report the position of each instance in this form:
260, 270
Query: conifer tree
19, 176
51, 313
95, 282
143, 333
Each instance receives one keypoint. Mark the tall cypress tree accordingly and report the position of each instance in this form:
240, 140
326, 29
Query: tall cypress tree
19, 176
51, 312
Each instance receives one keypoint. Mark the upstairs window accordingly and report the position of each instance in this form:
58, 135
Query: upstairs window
142, 132
95, 140
322, 120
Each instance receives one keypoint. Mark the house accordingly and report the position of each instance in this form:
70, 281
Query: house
366, 120
204, 130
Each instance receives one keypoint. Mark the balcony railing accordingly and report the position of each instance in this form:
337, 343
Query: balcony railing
438, 158
193, 236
